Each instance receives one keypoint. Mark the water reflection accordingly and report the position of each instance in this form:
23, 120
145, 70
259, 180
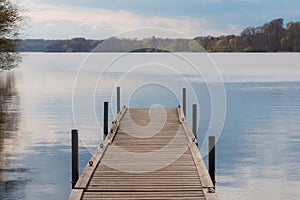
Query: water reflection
257, 153
11, 180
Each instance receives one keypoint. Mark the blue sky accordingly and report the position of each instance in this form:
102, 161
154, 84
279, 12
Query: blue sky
98, 19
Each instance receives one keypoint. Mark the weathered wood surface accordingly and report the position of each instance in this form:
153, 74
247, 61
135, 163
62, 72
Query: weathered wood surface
149, 154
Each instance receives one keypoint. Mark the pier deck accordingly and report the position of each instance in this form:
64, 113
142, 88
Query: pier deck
147, 154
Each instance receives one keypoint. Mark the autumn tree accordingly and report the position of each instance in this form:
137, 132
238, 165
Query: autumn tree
10, 19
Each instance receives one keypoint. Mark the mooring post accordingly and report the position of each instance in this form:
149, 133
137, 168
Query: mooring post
195, 120
105, 120
118, 100
184, 101
211, 158
75, 171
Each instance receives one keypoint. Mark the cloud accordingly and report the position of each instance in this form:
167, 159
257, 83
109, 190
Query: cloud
65, 22
100, 19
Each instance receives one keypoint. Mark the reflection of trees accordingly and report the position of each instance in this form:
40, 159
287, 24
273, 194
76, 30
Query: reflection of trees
10, 181
9, 113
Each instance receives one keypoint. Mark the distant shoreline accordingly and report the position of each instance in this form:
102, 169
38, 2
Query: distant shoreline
39, 52
271, 37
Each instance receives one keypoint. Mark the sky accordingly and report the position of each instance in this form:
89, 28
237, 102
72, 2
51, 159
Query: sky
100, 19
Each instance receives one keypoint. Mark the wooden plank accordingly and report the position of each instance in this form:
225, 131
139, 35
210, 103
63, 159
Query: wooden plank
158, 173
210, 194
153, 194
76, 194
146, 195
144, 189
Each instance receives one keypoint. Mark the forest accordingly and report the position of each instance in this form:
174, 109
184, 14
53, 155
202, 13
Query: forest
273, 36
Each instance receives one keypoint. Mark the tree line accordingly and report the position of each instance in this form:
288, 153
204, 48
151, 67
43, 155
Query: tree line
270, 37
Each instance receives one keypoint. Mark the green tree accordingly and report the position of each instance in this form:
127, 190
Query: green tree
274, 32
10, 19
292, 40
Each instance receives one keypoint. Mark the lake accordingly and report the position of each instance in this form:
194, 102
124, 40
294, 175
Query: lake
251, 102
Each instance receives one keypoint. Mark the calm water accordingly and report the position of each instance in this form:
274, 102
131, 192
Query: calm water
258, 152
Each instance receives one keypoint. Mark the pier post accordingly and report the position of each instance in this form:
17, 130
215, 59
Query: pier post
195, 120
105, 120
184, 101
75, 171
211, 158
118, 100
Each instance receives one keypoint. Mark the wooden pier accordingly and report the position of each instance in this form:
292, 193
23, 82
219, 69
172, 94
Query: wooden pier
147, 154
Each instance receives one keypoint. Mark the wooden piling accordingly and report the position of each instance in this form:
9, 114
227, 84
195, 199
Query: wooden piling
75, 171
105, 120
211, 158
118, 100
195, 120
184, 101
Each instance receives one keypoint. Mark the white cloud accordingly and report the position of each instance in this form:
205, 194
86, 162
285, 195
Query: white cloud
48, 21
